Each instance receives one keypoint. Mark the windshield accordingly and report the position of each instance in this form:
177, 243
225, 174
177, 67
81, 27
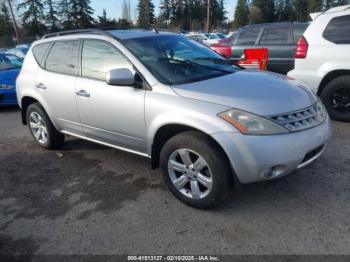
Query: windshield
15, 60
5, 64
175, 59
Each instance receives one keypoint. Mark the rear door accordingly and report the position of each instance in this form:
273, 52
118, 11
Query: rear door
278, 40
55, 82
247, 38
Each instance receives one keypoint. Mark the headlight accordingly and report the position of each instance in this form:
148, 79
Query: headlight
321, 112
5, 86
251, 124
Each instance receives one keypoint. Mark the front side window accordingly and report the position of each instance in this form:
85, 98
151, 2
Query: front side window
63, 57
275, 36
338, 30
175, 59
248, 36
99, 57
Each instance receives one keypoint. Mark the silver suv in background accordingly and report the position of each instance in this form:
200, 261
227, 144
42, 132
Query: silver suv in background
171, 99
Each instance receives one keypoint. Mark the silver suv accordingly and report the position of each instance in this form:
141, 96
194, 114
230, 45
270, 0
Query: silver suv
206, 123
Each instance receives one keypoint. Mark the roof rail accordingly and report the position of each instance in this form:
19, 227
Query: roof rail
79, 31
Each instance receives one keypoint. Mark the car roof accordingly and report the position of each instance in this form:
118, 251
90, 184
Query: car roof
272, 24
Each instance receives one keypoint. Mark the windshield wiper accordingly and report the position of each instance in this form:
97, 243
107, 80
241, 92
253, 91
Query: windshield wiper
190, 63
219, 60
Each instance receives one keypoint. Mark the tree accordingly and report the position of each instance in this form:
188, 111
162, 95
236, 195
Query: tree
241, 14
145, 13
126, 12
51, 14
301, 10
165, 11
104, 21
33, 16
266, 8
6, 26
82, 13
315, 6
65, 13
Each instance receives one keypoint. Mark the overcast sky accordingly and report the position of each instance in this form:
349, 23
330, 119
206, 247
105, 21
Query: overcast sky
113, 7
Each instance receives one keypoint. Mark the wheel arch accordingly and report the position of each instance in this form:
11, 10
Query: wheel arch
331, 76
25, 103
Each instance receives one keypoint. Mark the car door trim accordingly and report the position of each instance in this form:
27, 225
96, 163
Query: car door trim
100, 129
105, 144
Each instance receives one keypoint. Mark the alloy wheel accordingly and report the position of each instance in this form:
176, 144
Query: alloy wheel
341, 100
38, 127
190, 173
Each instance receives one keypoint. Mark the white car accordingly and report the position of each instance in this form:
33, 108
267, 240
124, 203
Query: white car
323, 60
207, 38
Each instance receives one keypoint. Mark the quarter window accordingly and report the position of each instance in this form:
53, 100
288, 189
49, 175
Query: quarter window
63, 57
275, 36
248, 36
99, 57
39, 52
338, 30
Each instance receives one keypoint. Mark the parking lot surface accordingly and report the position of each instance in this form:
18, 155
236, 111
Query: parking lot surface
90, 199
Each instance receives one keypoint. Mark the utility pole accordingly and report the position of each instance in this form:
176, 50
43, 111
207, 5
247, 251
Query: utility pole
208, 17
14, 22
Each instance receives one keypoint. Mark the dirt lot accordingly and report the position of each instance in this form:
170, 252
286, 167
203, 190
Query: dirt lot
89, 199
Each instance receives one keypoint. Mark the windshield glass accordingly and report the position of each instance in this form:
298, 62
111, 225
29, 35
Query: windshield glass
5, 64
15, 60
175, 59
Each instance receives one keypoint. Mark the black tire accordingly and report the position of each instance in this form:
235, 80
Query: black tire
215, 158
338, 84
54, 138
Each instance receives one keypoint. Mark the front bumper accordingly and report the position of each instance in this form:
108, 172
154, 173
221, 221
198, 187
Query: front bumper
259, 158
8, 97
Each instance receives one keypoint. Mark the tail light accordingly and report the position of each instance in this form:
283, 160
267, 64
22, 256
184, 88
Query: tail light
302, 48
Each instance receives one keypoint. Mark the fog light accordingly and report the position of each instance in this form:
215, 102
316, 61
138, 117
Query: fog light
273, 172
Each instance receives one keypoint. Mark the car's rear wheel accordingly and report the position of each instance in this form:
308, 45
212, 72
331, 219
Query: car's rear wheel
196, 170
42, 129
336, 98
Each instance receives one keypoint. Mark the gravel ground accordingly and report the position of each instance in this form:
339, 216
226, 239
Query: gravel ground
89, 199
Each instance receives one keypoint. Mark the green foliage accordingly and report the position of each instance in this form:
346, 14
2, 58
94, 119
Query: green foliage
146, 16
33, 16
51, 16
6, 26
241, 14
104, 21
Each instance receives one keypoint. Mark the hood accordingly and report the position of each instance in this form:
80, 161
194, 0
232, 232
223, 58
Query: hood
9, 76
262, 93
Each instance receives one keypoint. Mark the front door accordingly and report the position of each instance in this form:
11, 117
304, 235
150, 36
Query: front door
111, 114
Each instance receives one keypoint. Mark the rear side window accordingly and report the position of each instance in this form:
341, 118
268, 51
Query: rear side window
338, 30
275, 35
63, 57
39, 52
98, 57
298, 31
248, 36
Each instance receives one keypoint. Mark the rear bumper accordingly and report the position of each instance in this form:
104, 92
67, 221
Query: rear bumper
259, 158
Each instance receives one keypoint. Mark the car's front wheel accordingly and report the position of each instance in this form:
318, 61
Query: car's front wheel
336, 98
42, 129
196, 170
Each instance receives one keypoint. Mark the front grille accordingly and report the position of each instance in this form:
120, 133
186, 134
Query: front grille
302, 119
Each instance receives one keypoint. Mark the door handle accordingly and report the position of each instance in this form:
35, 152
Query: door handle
41, 86
83, 93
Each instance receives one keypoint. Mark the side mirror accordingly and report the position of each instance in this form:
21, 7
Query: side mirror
120, 77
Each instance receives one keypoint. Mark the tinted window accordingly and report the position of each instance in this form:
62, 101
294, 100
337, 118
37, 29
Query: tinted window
275, 36
248, 36
338, 30
298, 31
63, 57
174, 59
39, 52
99, 57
